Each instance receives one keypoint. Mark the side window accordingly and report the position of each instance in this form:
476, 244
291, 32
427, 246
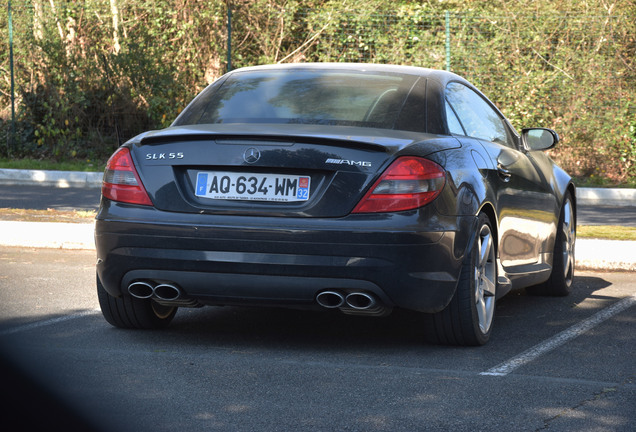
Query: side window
476, 115
454, 125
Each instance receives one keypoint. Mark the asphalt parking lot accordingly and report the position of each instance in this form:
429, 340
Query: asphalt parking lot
559, 364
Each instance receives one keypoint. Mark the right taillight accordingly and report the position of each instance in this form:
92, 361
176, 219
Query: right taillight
121, 181
408, 183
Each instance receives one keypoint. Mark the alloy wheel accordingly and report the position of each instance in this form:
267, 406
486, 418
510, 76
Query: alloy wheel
568, 228
485, 279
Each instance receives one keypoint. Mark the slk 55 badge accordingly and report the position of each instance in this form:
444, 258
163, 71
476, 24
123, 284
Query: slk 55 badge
164, 156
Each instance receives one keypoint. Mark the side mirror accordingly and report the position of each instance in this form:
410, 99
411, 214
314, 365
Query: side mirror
539, 138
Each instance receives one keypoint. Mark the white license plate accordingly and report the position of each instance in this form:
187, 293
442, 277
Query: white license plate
251, 186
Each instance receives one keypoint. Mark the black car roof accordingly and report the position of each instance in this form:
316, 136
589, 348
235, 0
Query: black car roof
440, 75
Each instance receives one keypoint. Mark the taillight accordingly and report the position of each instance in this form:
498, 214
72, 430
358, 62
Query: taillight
121, 181
408, 183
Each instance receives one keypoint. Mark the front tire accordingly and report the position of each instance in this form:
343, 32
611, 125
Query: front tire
133, 313
469, 317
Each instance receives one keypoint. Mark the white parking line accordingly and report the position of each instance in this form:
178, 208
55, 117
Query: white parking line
46, 322
527, 356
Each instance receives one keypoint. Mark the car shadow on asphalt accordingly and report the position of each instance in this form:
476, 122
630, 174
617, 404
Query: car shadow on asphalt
516, 313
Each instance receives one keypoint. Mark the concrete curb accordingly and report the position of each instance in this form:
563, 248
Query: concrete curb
612, 197
606, 254
615, 197
590, 254
62, 179
57, 235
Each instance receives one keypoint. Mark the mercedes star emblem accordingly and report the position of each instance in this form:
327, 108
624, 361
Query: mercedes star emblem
251, 155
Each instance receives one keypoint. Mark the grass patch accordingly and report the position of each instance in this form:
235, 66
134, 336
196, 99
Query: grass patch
603, 182
606, 232
49, 165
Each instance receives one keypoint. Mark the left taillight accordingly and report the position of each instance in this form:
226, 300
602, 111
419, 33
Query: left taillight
408, 183
121, 180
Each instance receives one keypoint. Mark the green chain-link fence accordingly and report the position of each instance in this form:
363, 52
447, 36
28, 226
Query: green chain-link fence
89, 73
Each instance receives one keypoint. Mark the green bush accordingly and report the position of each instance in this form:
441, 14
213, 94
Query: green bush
84, 84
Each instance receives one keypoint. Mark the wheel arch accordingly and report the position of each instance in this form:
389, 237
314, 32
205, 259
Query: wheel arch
572, 190
489, 210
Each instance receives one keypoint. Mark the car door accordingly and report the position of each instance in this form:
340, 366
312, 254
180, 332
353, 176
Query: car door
525, 204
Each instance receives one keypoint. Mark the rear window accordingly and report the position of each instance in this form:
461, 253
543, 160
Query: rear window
307, 97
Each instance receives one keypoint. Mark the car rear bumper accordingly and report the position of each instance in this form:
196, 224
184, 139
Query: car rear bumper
256, 261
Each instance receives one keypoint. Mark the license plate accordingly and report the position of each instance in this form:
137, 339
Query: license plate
252, 187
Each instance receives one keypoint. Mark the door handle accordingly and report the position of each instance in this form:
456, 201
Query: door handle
504, 173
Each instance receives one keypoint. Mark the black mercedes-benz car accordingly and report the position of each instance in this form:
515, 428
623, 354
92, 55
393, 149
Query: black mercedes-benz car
355, 187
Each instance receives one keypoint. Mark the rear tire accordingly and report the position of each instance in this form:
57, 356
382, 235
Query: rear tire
560, 282
133, 313
469, 317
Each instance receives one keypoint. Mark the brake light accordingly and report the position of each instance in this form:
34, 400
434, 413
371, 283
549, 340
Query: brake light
121, 181
408, 183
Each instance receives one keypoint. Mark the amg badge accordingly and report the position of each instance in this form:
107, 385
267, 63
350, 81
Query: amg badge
348, 162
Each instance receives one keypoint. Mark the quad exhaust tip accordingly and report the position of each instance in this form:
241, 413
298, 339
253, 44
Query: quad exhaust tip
354, 301
330, 299
141, 290
360, 301
167, 292
146, 290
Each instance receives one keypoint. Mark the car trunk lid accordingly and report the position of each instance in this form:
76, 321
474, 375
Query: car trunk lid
269, 170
